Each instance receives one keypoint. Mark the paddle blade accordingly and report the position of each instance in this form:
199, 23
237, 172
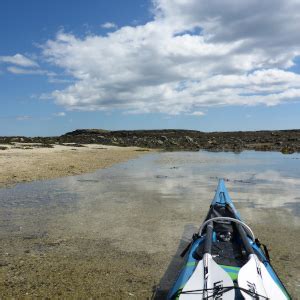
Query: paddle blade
216, 279
272, 289
261, 283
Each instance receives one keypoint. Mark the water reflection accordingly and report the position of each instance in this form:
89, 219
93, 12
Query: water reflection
152, 195
146, 208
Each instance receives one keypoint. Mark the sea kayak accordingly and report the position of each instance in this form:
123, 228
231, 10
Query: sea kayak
225, 260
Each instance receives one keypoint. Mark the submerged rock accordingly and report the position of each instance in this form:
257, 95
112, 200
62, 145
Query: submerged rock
287, 150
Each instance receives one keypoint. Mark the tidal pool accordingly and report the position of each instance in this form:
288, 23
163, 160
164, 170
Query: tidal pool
117, 233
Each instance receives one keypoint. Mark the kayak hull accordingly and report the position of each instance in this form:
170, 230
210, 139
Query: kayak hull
226, 251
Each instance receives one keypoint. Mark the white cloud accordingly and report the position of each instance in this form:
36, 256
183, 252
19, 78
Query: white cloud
60, 114
197, 113
193, 54
17, 70
52, 77
19, 60
109, 25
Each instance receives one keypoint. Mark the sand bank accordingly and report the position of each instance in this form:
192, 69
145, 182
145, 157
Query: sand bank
29, 162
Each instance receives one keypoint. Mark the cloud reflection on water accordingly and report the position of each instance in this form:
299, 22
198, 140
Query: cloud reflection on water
156, 195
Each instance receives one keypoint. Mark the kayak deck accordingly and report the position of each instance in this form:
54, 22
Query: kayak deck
227, 248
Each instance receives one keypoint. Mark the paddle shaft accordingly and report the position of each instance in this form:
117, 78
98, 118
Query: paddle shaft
207, 252
245, 240
208, 238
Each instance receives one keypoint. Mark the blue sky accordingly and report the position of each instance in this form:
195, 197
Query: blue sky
148, 64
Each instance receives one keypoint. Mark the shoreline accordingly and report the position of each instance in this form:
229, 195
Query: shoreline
284, 141
26, 162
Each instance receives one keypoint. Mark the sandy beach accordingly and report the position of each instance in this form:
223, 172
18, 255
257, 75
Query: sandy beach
24, 162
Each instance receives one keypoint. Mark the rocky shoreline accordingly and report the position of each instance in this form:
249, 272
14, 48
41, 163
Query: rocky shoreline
285, 141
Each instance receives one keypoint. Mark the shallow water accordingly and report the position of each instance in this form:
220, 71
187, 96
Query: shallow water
142, 212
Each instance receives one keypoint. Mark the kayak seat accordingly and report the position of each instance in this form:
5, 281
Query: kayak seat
223, 226
223, 253
228, 254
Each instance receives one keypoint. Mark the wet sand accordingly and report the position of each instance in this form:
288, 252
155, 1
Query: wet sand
88, 266
85, 267
117, 233
24, 162
283, 243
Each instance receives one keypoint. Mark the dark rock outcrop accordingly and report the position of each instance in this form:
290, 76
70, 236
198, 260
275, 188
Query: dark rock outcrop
285, 141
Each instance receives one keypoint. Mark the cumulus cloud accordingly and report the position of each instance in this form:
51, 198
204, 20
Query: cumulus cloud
109, 25
197, 113
193, 54
19, 60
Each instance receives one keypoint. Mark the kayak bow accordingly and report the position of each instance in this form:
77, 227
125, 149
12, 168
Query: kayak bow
225, 260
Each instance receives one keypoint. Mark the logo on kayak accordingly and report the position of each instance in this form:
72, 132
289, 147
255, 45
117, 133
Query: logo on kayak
218, 290
251, 287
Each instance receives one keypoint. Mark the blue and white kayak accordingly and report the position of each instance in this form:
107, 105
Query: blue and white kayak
225, 260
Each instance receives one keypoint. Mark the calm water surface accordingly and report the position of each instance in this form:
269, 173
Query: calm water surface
178, 179
152, 203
